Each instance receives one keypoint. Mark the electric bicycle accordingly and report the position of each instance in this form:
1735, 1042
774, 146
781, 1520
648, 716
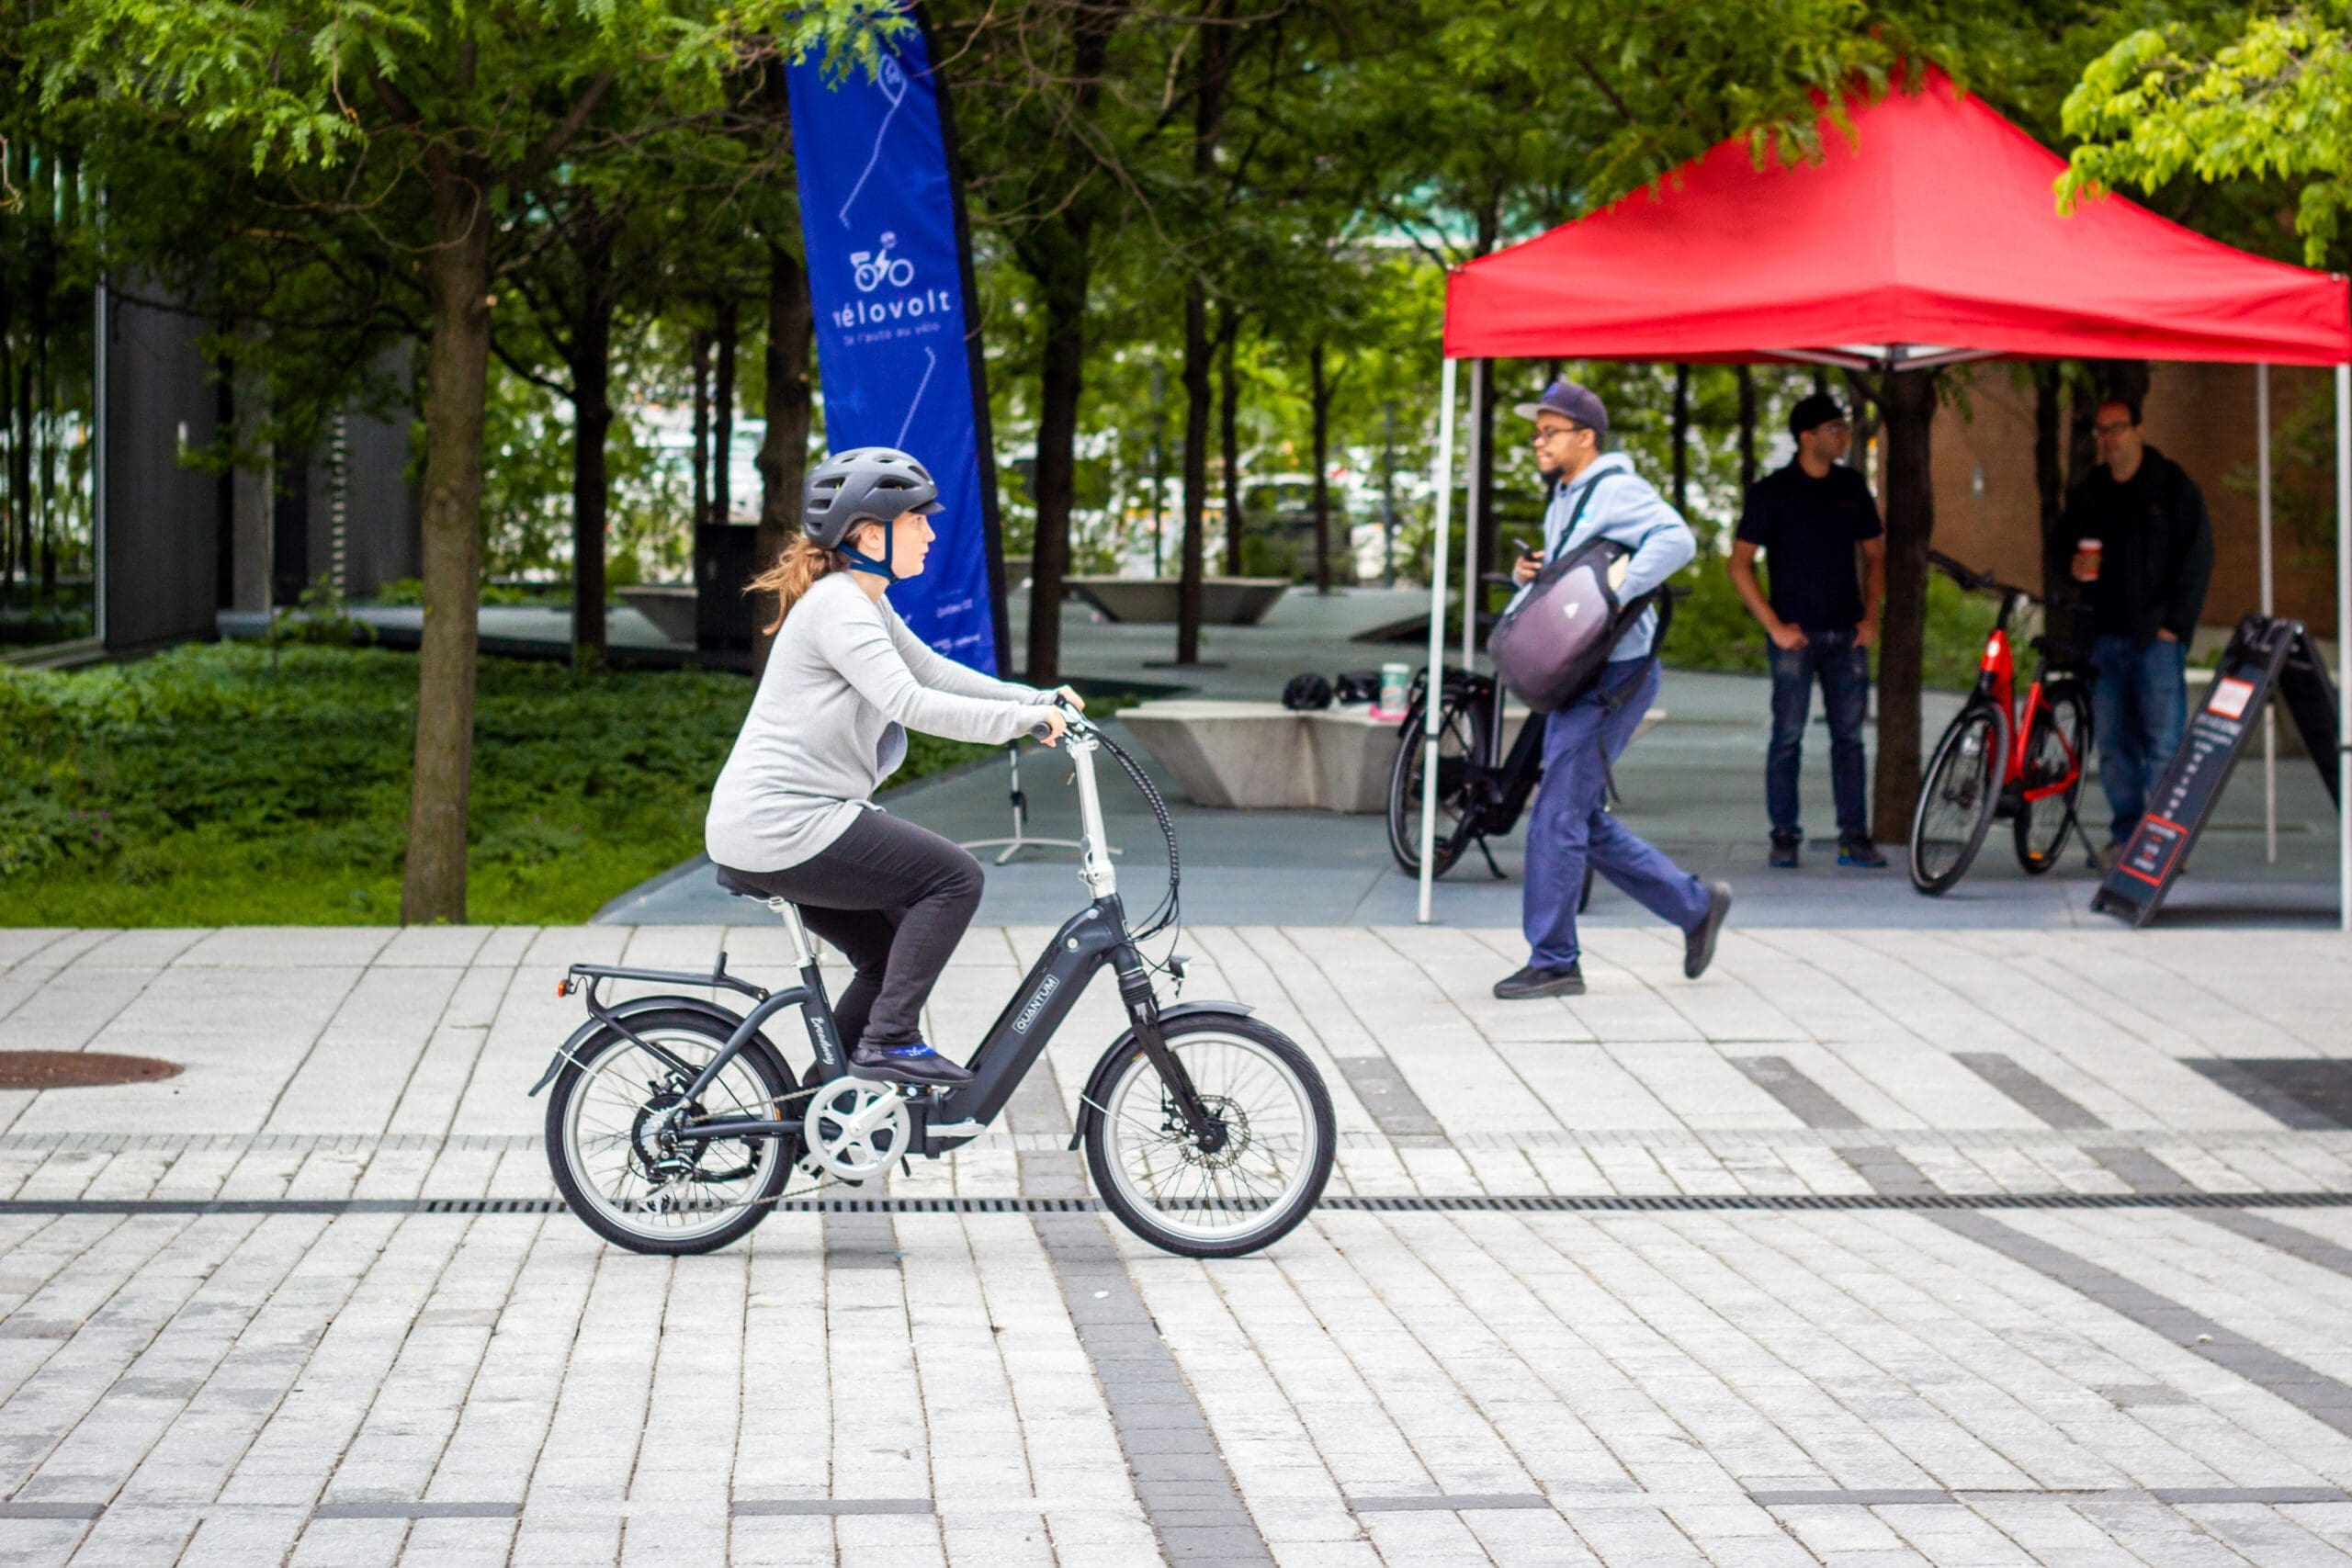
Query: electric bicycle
676, 1124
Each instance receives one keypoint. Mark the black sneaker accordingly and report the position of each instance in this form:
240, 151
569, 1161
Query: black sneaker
1533, 982
1699, 943
1784, 853
917, 1063
1860, 853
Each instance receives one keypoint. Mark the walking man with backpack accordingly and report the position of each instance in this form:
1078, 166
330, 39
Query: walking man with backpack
1596, 496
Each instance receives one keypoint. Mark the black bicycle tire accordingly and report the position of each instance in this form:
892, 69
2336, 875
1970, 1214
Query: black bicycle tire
1935, 887
1318, 1101
766, 1061
1404, 814
2067, 820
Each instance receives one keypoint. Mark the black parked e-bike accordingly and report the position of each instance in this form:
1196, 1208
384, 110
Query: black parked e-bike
676, 1123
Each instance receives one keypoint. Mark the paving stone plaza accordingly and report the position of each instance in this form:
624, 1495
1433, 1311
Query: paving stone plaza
1972, 1247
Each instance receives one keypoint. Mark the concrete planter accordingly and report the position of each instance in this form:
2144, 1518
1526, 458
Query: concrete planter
669, 606
1224, 600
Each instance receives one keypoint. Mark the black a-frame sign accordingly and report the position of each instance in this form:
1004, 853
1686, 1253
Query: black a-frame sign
2266, 656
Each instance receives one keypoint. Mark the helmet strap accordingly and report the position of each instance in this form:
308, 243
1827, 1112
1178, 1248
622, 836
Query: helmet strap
860, 561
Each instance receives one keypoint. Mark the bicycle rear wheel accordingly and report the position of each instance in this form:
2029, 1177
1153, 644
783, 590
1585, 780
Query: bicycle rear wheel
1958, 797
1278, 1139
2056, 753
606, 1118
1461, 740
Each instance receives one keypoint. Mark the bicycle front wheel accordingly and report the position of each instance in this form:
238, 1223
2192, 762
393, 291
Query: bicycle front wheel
1461, 742
1958, 797
607, 1115
2055, 755
1276, 1137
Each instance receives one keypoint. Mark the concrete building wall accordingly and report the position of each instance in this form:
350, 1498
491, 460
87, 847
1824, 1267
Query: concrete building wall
2202, 416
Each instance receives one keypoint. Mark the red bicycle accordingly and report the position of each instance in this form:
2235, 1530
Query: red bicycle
1980, 770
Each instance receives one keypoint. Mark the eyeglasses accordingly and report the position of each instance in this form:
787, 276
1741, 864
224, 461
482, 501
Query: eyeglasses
1541, 436
2114, 428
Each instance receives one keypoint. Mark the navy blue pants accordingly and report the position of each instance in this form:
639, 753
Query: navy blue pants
1568, 828
1844, 671
2139, 705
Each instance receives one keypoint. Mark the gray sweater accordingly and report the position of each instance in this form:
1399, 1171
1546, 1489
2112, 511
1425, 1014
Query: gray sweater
829, 723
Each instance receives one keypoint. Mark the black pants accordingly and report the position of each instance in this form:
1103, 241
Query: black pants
896, 899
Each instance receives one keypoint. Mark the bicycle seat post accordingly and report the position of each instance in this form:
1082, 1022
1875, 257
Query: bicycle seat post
803, 956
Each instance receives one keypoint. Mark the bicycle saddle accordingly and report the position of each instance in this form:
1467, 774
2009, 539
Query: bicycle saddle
734, 884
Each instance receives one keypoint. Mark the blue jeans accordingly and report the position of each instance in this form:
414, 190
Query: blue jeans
2139, 706
1844, 671
1568, 827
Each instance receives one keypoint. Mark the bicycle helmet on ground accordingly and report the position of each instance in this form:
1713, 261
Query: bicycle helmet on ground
864, 484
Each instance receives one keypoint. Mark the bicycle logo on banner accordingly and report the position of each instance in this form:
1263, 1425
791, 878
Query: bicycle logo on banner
874, 268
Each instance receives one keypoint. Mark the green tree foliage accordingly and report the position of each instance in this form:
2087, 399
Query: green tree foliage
2250, 92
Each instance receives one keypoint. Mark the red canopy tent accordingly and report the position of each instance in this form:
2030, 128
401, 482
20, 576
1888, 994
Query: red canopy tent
1929, 237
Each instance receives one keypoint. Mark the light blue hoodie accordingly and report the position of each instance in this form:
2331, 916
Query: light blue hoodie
1628, 508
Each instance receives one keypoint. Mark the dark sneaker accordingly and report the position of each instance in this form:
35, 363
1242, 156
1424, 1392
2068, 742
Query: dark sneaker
917, 1063
1860, 853
1533, 982
1784, 854
1699, 943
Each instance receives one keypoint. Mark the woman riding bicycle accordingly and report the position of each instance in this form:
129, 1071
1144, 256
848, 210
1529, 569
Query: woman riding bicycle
792, 816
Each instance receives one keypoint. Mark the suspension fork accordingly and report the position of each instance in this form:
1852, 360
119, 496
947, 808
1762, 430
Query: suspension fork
1143, 1012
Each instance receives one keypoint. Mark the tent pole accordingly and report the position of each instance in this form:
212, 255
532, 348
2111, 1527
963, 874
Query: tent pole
2342, 641
1474, 507
1434, 691
2270, 715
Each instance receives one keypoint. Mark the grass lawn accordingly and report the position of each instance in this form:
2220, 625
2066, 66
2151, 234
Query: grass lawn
215, 784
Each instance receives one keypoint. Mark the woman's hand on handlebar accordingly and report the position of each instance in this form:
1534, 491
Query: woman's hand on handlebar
1066, 694
1050, 729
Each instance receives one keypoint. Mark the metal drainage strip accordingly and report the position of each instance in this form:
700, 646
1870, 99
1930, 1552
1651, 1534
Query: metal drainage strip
1709, 1202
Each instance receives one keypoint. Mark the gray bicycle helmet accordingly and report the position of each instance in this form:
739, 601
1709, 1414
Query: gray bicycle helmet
865, 484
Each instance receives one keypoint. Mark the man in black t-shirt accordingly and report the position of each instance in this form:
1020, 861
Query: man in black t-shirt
1808, 519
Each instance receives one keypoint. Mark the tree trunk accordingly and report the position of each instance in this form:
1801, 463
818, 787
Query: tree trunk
1908, 403
784, 454
1228, 436
432, 884
1319, 392
1483, 476
1747, 430
2049, 474
1196, 470
591, 418
1062, 377
722, 455
698, 347
1682, 439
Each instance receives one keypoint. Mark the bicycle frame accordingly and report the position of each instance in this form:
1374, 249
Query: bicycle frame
1095, 938
1997, 683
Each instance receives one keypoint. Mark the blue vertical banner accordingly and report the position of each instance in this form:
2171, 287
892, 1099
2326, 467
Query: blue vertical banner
889, 275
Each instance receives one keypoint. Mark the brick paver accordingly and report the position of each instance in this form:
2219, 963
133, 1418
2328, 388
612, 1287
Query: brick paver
231, 1331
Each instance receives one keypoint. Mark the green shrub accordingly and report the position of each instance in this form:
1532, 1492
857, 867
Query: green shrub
209, 786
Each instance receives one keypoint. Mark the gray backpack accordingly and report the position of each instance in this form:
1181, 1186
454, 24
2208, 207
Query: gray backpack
1551, 643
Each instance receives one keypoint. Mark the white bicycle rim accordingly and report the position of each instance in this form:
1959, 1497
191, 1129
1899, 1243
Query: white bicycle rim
600, 1133
1242, 1190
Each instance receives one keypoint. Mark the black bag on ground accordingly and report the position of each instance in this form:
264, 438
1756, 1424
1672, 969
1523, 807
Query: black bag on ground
1550, 645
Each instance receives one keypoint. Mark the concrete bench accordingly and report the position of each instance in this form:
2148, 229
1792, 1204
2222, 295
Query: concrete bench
1264, 756
1224, 600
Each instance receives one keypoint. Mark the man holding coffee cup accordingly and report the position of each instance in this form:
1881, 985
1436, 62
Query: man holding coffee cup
2142, 549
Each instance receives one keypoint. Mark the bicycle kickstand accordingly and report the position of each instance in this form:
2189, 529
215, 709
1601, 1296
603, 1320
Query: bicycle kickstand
1489, 853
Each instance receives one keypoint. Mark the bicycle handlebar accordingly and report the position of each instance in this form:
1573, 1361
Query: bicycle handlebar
1976, 582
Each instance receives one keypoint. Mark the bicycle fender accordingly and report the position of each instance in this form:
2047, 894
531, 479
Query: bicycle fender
627, 1010
1090, 1102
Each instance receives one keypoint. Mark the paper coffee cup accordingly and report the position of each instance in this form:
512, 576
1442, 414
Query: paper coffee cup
2089, 547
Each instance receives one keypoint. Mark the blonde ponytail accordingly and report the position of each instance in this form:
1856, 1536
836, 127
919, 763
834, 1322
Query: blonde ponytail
796, 571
